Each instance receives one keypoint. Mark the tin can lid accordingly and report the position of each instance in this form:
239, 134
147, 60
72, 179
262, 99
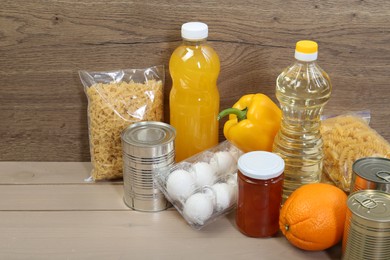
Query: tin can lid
148, 133
371, 205
261, 165
374, 169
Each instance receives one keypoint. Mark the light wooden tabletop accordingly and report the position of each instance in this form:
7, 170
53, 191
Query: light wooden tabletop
49, 211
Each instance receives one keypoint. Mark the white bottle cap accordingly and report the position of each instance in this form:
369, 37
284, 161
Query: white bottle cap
194, 31
306, 50
261, 165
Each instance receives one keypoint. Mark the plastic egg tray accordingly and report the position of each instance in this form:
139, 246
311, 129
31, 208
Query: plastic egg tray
204, 186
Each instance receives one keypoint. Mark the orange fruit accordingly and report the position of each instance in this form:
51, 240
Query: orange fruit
313, 217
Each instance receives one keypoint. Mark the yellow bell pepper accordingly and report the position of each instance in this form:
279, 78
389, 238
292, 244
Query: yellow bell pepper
254, 120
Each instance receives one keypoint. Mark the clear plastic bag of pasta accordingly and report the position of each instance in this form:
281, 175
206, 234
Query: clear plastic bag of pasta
117, 99
348, 138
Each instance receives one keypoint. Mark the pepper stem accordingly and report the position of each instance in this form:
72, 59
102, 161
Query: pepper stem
241, 114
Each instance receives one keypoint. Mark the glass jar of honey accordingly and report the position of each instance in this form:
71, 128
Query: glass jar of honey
260, 187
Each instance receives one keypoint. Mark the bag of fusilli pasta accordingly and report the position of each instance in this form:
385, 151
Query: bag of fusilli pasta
348, 138
117, 99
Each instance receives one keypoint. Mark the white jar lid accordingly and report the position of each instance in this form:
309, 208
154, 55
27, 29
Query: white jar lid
261, 165
194, 31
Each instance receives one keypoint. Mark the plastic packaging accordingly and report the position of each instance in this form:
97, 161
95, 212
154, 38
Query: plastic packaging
117, 99
194, 97
348, 138
260, 184
204, 186
302, 90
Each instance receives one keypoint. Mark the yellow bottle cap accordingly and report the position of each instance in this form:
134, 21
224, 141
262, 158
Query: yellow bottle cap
306, 46
306, 50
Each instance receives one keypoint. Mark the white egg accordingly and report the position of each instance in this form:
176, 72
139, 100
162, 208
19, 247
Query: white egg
224, 195
180, 185
234, 192
224, 162
198, 208
203, 174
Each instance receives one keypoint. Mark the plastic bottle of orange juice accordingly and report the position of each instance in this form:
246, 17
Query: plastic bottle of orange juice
194, 98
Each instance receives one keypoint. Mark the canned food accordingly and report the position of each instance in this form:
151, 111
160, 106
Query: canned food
147, 141
367, 226
148, 147
371, 173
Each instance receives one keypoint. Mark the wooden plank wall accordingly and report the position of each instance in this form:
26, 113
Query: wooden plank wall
44, 43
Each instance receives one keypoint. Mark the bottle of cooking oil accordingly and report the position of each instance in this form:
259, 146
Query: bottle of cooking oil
302, 90
194, 98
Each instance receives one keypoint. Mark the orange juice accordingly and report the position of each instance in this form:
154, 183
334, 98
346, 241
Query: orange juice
194, 98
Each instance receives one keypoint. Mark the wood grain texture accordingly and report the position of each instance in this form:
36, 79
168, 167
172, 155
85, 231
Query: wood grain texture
67, 218
43, 44
16, 173
134, 235
68, 197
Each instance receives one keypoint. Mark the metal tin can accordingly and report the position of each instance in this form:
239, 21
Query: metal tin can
371, 173
148, 147
367, 226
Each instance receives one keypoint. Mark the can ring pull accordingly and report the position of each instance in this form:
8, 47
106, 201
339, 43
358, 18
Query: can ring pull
366, 202
384, 175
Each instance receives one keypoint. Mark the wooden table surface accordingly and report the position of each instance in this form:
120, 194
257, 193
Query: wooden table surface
49, 211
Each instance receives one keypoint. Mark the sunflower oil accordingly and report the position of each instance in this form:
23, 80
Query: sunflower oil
302, 90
